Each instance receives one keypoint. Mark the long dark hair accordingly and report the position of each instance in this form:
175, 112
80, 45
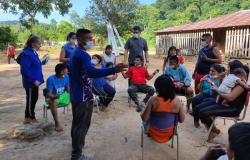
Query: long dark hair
70, 35
164, 86
32, 39
171, 48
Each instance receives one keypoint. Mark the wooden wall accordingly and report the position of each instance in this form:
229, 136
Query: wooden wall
238, 43
184, 41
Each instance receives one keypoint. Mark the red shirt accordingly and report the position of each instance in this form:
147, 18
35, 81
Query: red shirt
138, 74
181, 59
10, 51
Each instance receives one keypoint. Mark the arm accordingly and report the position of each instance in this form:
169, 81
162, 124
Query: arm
164, 65
126, 47
145, 48
242, 84
25, 65
217, 55
49, 86
146, 114
178, 105
62, 56
236, 92
152, 75
124, 75
187, 78
94, 72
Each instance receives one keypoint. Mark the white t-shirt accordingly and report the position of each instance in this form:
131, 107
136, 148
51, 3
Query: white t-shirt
224, 157
111, 83
109, 58
228, 83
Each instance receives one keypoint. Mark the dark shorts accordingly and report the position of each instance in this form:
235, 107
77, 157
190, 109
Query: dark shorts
181, 90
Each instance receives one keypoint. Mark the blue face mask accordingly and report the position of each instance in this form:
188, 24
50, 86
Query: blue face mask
89, 45
94, 62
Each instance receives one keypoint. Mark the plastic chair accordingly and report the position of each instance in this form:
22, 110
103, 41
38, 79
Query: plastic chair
235, 119
46, 105
162, 121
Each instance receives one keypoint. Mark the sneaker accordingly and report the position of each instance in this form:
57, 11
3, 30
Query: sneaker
87, 158
27, 121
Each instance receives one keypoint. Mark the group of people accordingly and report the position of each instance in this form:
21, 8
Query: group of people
219, 92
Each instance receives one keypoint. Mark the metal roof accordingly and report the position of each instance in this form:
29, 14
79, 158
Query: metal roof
237, 19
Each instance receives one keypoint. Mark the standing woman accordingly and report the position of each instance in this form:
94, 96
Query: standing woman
172, 51
108, 55
32, 77
68, 49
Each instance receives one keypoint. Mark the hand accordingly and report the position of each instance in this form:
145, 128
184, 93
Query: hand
56, 96
120, 67
204, 58
214, 152
193, 76
37, 83
214, 88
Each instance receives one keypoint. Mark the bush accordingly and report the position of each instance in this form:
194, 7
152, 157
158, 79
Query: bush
6, 36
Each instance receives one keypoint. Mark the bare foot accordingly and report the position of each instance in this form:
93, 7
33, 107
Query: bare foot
34, 120
58, 128
196, 124
211, 137
27, 121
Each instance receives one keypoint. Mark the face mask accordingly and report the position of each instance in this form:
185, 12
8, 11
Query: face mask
94, 61
89, 45
203, 44
73, 41
136, 35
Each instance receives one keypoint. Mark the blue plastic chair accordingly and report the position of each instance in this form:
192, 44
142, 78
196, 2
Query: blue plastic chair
162, 121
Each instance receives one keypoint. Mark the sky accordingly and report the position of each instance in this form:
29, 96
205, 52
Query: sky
77, 5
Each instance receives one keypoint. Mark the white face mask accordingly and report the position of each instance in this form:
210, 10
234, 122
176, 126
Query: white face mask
73, 41
136, 35
203, 44
90, 45
94, 61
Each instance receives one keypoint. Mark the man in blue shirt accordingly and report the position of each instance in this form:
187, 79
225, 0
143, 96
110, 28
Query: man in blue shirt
181, 78
57, 84
81, 70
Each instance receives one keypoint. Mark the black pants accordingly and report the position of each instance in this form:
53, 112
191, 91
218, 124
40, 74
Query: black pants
82, 113
31, 99
198, 99
208, 109
106, 94
143, 88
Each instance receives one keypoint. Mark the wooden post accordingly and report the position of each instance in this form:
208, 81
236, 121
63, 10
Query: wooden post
246, 43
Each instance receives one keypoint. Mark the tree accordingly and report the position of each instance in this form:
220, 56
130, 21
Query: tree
30, 8
76, 20
63, 29
121, 13
6, 36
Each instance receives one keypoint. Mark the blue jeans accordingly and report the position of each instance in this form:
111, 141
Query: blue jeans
106, 94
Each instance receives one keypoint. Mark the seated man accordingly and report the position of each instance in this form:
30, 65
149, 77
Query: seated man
181, 78
139, 75
57, 84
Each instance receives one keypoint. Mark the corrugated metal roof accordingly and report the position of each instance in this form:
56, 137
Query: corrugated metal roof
241, 18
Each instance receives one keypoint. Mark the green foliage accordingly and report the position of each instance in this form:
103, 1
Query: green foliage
28, 9
63, 29
6, 36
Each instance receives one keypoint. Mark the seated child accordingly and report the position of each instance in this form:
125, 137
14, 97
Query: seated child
165, 101
238, 76
111, 79
57, 84
181, 78
211, 80
139, 75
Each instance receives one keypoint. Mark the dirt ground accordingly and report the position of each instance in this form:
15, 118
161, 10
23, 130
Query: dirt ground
113, 135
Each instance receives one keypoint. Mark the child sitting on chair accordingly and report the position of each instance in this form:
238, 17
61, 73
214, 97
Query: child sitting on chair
111, 79
165, 101
139, 75
238, 76
56, 85
182, 79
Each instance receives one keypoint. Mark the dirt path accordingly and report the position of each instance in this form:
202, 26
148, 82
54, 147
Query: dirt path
114, 135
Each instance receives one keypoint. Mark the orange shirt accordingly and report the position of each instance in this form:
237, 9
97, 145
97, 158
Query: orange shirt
162, 136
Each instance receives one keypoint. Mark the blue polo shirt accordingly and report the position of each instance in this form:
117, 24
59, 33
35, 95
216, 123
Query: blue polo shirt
81, 70
57, 86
